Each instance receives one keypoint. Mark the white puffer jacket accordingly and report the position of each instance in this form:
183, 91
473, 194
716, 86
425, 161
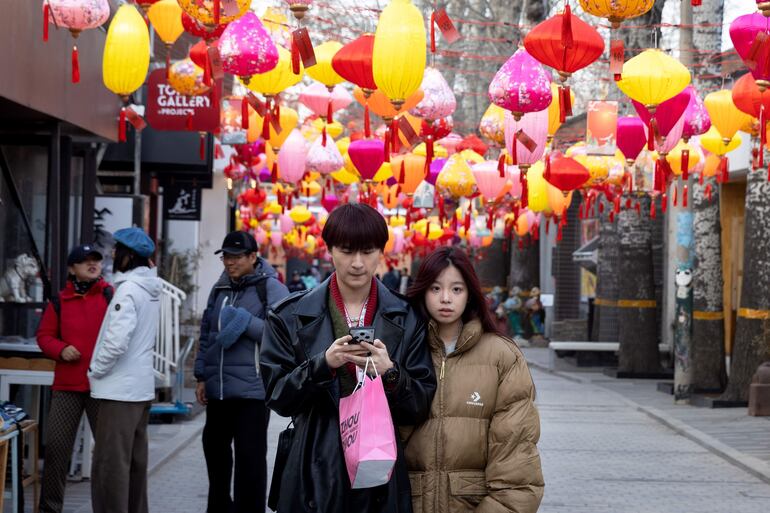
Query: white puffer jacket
121, 366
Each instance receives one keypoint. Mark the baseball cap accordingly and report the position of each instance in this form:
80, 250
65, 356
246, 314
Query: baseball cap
79, 254
136, 240
237, 243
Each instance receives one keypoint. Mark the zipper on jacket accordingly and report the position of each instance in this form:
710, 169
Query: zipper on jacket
441, 374
440, 434
222, 353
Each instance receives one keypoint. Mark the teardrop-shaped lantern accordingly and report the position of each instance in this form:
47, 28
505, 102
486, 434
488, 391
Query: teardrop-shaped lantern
725, 116
696, 117
438, 100
323, 158
631, 137
126, 52
291, 159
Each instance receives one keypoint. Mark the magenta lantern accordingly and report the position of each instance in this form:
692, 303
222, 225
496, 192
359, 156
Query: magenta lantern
696, 117
522, 85
438, 100
525, 139
324, 158
330, 202
488, 179
667, 114
291, 158
750, 34
435, 168
367, 155
246, 47
632, 137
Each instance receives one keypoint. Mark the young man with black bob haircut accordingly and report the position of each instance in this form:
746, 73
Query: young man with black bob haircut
308, 363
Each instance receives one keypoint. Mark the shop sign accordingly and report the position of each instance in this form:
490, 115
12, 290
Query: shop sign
169, 110
182, 203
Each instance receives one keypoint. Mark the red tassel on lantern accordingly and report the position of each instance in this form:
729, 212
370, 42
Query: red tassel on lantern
323, 137
394, 135
122, 125
245, 114
501, 166
700, 178
75, 65
653, 212
367, 123
433, 32
402, 173
663, 202
674, 196
46, 13
612, 217
566, 104
274, 173
524, 191
684, 196
387, 145
695, 3
266, 122
708, 192
329, 111
762, 136
601, 208
651, 134
202, 146
217, 10
206, 70
559, 233
638, 208
685, 164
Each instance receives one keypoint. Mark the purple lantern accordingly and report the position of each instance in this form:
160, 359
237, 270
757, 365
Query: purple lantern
435, 168
246, 48
522, 85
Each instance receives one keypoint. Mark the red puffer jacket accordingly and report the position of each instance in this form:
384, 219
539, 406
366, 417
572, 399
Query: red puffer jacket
81, 318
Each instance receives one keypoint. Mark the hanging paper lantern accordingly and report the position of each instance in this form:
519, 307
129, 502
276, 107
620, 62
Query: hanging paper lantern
367, 155
166, 19
323, 158
616, 11
567, 44
353, 62
537, 188
211, 12
435, 169
470, 156
345, 177
748, 98
521, 85
380, 104
291, 159
451, 142
474, 144
725, 116
558, 201
750, 34
186, 78
653, 77
438, 151
76, 16
198, 29
277, 79
246, 48
409, 171
456, 179
287, 121
316, 97
683, 158
565, 173
300, 214
492, 124
714, 142
696, 117
398, 57
439, 100
554, 110
631, 136
323, 70
316, 128
126, 52
514, 180
522, 223
488, 179
525, 139
661, 120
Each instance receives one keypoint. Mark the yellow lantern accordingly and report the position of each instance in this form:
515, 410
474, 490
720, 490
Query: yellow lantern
471, 157
288, 120
537, 188
398, 60
715, 143
653, 77
332, 129
674, 157
711, 165
300, 214
126, 52
492, 124
456, 178
554, 117
616, 10
434, 230
725, 116
439, 152
522, 225
310, 188
323, 71
186, 78
558, 202
397, 221
345, 177
203, 11
166, 19
385, 172
277, 79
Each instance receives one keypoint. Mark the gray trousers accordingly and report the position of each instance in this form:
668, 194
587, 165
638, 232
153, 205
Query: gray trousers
63, 420
119, 481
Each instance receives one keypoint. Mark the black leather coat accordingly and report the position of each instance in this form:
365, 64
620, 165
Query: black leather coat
299, 383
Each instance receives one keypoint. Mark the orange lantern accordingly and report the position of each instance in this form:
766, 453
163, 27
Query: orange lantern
409, 170
380, 104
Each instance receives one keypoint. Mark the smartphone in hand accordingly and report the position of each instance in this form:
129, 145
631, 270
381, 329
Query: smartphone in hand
363, 334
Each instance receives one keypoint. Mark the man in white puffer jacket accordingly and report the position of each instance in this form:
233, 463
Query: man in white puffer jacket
121, 377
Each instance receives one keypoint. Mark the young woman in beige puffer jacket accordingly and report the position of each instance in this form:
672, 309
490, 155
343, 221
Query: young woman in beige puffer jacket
477, 451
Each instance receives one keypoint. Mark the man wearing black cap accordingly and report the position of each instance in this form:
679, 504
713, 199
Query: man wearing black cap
67, 334
229, 382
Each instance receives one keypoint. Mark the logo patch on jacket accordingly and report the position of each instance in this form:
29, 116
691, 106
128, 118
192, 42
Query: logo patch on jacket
117, 306
475, 400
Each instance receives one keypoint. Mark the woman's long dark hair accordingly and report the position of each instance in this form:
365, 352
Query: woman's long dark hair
127, 259
433, 265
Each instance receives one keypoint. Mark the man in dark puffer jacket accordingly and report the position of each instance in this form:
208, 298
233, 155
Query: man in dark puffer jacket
229, 383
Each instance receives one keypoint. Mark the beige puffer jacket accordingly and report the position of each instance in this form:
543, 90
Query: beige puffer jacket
477, 451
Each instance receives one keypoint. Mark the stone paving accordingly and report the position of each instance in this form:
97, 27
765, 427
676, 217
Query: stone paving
599, 452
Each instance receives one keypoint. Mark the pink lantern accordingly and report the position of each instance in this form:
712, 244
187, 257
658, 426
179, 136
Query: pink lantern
632, 137
276, 238
750, 34
525, 139
330, 202
260, 235
367, 155
285, 223
317, 98
522, 85
246, 47
398, 240
514, 177
488, 179
291, 158
665, 145
438, 100
451, 142
324, 158
696, 117
77, 16
667, 114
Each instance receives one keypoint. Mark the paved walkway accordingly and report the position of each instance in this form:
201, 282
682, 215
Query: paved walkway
607, 446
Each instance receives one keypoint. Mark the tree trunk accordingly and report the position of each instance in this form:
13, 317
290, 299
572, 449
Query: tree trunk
605, 326
637, 305
708, 349
752, 333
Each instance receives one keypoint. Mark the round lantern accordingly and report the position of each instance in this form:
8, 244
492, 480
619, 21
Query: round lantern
166, 19
76, 16
300, 214
537, 188
725, 116
277, 79
439, 100
323, 158
323, 70
521, 85
474, 144
398, 56
683, 158
714, 142
492, 124
198, 29
696, 117
287, 121
558, 200
488, 179
616, 11
631, 137
409, 171
186, 78
747, 33
291, 159
211, 13
554, 111
246, 48
567, 44
653, 77
525, 139
565, 173
456, 179
323, 103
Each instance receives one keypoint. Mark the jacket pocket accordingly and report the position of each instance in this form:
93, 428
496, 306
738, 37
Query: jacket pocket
466, 489
415, 481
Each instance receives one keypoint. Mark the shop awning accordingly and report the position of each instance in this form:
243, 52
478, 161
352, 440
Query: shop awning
587, 255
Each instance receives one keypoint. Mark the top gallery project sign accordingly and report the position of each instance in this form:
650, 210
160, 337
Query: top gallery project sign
169, 110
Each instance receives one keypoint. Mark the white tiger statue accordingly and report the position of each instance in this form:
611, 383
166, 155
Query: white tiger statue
13, 283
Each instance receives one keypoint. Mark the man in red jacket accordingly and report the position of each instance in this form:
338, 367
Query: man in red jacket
67, 334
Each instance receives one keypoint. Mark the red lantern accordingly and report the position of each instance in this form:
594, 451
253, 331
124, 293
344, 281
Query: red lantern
472, 142
353, 62
565, 173
198, 29
567, 44
749, 98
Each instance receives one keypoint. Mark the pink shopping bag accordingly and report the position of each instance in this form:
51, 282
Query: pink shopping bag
368, 438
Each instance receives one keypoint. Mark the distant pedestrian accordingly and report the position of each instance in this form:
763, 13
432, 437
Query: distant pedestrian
296, 284
229, 382
535, 312
405, 282
477, 452
392, 279
122, 378
67, 334
309, 280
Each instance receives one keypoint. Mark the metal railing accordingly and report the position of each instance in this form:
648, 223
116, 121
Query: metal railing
167, 340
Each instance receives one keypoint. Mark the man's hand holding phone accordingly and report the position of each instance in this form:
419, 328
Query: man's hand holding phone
343, 351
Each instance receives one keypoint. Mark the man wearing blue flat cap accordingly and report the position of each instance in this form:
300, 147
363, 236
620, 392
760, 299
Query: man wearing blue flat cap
229, 382
121, 378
